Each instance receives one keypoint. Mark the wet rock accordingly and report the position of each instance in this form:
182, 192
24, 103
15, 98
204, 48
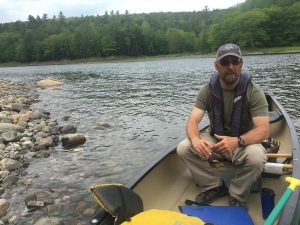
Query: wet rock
4, 205
5, 127
28, 198
68, 129
54, 210
72, 140
9, 164
35, 204
49, 82
43, 154
13, 220
49, 221
9, 181
66, 118
102, 126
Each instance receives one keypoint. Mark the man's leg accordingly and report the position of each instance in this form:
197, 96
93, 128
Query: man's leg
204, 175
250, 163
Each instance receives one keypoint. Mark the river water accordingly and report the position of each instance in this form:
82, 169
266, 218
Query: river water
130, 112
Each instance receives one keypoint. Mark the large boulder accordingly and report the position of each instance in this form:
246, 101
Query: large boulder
72, 140
49, 82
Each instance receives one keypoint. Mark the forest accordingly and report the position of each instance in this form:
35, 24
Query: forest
253, 24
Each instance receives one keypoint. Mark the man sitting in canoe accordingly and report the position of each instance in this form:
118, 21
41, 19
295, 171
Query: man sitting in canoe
239, 121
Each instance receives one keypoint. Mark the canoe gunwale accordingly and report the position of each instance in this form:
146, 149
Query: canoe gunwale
289, 214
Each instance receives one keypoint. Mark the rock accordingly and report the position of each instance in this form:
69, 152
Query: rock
9, 164
23, 117
11, 99
13, 220
71, 140
35, 204
9, 181
27, 144
68, 129
28, 183
55, 210
4, 127
4, 205
45, 142
49, 82
43, 154
11, 136
49, 221
31, 197
65, 118
17, 107
102, 126
40, 126
3, 174
13, 147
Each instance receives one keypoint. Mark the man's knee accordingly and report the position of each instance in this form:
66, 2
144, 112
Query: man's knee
183, 147
256, 156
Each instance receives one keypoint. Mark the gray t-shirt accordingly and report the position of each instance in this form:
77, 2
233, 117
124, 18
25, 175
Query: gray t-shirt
255, 105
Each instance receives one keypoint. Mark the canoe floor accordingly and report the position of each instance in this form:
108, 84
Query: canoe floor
161, 195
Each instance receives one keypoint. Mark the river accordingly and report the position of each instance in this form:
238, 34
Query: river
130, 112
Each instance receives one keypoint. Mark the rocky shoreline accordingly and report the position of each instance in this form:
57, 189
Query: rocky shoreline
26, 135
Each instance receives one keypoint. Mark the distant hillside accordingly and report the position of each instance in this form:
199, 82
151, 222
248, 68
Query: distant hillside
253, 24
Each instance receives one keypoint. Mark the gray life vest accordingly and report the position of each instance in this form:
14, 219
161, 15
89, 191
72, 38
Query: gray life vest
238, 102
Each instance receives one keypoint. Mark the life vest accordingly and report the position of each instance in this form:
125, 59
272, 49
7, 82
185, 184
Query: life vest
218, 104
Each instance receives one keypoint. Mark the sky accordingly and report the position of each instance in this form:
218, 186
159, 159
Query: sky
13, 10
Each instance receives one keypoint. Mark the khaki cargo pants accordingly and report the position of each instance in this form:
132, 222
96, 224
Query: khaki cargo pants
248, 160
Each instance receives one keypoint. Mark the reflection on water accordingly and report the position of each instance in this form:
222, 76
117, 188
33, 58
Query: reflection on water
130, 112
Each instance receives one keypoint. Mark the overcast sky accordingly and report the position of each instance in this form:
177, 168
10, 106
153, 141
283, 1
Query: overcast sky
13, 10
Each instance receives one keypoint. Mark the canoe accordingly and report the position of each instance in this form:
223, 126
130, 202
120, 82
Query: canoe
166, 182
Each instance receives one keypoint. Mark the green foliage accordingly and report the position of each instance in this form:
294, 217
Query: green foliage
253, 24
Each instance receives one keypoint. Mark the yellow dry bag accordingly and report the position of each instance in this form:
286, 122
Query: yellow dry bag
162, 217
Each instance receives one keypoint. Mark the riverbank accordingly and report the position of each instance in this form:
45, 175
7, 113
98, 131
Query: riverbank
26, 135
258, 51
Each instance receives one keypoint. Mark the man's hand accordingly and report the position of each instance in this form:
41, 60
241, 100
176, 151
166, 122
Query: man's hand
226, 145
203, 147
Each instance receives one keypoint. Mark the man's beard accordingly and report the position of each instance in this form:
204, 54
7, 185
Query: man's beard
231, 78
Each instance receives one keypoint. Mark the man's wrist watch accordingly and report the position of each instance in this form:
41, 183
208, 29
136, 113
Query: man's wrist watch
241, 141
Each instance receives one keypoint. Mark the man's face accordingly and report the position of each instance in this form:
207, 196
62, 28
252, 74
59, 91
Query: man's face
229, 69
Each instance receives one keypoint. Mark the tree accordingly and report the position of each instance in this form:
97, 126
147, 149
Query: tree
247, 29
8, 45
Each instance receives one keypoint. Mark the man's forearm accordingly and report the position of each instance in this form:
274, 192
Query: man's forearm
192, 130
255, 136
194, 119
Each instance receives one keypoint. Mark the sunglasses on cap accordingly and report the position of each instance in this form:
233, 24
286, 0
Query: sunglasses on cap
226, 61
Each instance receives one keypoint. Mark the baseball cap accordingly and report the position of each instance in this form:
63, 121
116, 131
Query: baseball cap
229, 49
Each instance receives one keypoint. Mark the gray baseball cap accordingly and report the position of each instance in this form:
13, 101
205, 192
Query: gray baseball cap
229, 49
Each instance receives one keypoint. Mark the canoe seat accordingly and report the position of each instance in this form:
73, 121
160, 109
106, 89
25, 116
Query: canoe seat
275, 116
